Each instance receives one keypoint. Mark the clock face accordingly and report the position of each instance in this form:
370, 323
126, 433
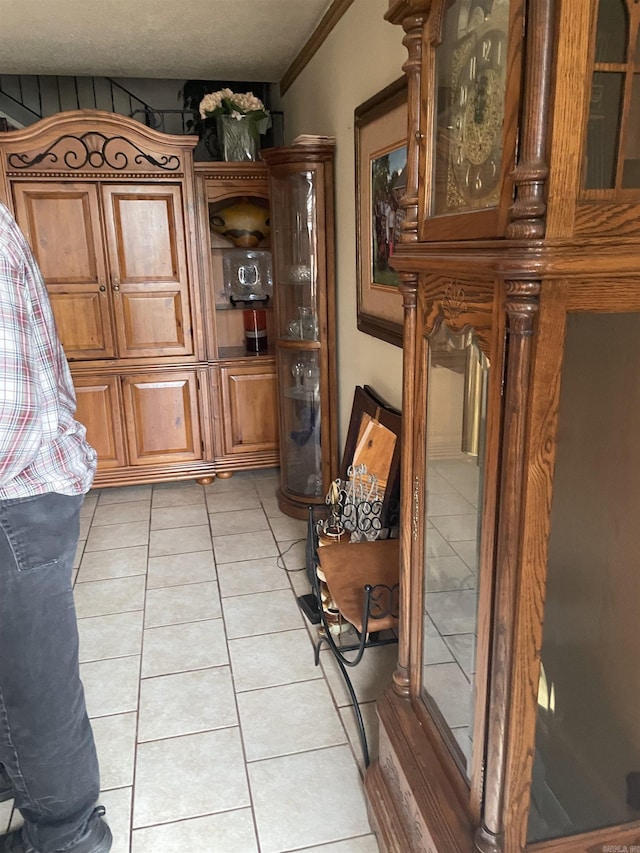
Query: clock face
471, 73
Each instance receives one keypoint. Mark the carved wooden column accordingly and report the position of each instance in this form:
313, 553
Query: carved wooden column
412, 15
527, 214
521, 310
408, 288
543, 405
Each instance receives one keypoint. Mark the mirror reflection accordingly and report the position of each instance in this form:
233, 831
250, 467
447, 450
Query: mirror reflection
455, 445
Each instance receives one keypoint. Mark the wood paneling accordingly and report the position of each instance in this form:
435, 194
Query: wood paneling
162, 418
149, 275
250, 409
72, 261
99, 406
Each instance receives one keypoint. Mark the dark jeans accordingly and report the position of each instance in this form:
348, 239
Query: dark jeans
46, 743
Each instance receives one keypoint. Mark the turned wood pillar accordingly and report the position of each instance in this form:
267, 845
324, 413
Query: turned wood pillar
521, 310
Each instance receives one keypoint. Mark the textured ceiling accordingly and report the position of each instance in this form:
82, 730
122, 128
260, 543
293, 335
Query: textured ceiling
197, 39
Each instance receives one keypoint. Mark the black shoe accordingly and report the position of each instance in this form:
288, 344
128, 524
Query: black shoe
97, 838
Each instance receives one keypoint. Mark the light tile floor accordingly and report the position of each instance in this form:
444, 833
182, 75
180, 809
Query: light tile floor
451, 600
215, 731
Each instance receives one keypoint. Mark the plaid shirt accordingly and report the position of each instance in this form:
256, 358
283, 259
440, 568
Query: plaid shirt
42, 448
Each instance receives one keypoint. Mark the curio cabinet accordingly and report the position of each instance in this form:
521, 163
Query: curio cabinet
301, 190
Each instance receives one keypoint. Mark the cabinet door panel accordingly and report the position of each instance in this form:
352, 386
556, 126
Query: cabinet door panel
250, 409
98, 408
149, 277
161, 412
151, 320
72, 262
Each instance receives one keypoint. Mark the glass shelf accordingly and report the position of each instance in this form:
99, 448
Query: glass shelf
242, 352
241, 306
288, 282
302, 393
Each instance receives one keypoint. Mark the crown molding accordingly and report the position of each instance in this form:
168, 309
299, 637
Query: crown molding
331, 17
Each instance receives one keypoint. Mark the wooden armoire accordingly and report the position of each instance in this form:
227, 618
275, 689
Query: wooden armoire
513, 722
121, 235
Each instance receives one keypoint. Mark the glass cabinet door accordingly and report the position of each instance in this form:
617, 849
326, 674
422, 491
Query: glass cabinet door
301, 208
300, 409
612, 150
296, 237
586, 771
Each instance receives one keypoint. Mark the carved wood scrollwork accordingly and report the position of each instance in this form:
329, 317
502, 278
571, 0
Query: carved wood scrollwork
454, 303
93, 150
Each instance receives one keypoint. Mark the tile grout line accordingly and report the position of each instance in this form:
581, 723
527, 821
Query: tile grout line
290, 575
134, 769
235, 698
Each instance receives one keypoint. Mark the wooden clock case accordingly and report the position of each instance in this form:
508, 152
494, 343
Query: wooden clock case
546, 287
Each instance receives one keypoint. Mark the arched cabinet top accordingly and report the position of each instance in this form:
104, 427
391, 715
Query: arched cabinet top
94, 143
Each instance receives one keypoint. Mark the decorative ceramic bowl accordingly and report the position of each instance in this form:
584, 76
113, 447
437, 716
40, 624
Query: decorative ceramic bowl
244, 223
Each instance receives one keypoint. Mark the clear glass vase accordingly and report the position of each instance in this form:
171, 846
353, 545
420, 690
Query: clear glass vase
238, 138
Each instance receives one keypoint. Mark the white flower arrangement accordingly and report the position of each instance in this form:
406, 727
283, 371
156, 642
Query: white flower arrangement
226, 102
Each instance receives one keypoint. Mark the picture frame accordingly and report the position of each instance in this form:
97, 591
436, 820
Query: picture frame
379, 423
380, 130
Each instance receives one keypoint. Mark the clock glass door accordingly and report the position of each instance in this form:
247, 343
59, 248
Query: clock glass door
612, 161
456, 417
586, 769
471, 63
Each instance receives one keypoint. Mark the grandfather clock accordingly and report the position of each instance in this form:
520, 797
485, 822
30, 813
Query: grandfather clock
513, 722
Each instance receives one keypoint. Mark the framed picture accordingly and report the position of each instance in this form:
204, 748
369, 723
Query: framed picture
381, 159
373, 439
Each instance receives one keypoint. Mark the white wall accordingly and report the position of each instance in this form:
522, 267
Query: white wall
363, 54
